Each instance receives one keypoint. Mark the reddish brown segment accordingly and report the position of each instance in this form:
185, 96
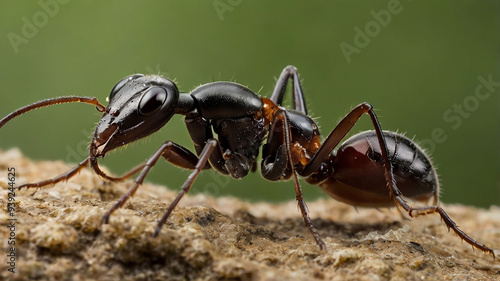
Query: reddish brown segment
301, 153
269, 110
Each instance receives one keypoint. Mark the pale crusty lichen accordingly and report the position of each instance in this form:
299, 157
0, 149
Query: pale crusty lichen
59, 236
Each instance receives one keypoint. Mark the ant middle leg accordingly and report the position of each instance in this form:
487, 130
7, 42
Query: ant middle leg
278, 157
175, 154
278, 163
211, 146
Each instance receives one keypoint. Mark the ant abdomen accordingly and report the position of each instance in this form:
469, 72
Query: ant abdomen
358, 177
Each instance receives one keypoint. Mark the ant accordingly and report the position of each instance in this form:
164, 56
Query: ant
362, 172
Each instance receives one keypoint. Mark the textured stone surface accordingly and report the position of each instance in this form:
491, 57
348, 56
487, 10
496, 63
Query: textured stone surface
59, 236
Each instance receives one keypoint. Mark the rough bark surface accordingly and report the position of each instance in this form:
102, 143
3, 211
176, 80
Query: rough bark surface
58, 236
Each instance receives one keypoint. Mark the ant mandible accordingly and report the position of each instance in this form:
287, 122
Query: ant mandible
362, 172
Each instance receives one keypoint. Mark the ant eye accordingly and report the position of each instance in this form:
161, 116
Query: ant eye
122, 83
152, 100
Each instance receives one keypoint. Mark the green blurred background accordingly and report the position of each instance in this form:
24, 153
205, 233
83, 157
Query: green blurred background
414, 68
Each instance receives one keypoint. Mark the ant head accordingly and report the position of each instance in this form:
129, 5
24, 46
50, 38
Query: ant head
138, 106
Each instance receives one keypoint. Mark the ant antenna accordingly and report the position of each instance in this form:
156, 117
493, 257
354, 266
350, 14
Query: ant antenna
49, 102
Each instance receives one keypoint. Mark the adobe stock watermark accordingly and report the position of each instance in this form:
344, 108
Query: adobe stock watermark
81, 150
458, 112
223, 6
32, 25
218, 183
363, 37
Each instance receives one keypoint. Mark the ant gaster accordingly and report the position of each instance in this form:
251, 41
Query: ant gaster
362, 172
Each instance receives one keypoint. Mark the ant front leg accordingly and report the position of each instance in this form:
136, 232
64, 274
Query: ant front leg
63, 177
175, 154
278, 163
93, 163
95, 166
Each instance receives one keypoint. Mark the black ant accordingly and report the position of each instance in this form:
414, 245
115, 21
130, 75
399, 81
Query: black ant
362, 172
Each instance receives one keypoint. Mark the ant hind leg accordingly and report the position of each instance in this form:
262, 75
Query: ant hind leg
279, 146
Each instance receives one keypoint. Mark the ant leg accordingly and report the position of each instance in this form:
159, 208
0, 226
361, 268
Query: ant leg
173, 153
397, 195
63, 177
415, 212
210, 146
284, 165
184, 161
275, 161
66, 176
200, 131
95, 166
299, 103
339, 133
